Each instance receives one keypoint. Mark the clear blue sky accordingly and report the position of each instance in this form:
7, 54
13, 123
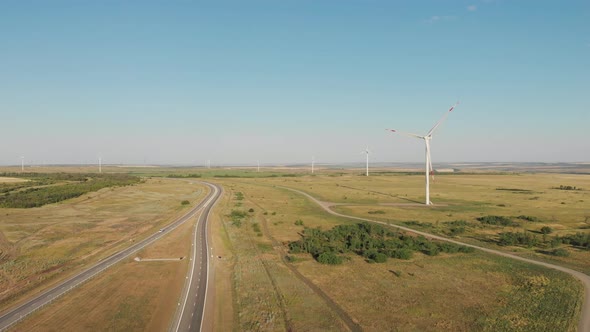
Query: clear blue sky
285, 80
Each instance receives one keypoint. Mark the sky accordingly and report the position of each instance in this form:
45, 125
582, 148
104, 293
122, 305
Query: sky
282, 81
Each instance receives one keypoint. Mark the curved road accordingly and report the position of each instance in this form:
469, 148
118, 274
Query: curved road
583, 324
191, 308
12, 316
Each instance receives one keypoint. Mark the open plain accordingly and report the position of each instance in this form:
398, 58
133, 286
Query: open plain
260, 284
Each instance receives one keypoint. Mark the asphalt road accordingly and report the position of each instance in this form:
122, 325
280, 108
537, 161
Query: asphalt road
584, 322
15, 314
191, 307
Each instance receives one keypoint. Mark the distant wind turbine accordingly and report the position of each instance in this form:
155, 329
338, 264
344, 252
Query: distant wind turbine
312, 164
366, 152
99, 164
427, 138
258, 161
22, 163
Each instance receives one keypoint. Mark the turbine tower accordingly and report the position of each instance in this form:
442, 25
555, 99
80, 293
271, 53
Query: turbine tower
99, 164
427, 138
258, 161
366, 152
22, 163
312, 164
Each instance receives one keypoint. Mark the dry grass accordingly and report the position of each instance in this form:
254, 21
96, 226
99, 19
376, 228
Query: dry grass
465, 197
42, 245
447, 292
131, 296
266, 294
4, 179
220, 298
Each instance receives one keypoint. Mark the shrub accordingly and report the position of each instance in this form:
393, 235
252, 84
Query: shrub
290, 258
403, 254
238, 214
511, 238
497, 220
546, 230
185, 202
560, 252
256, 227
528, 218
456, 231
299, 222
329, 258
376, 212
251, 210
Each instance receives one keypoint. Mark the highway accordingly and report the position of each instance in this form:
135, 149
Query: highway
15, 314
191, 307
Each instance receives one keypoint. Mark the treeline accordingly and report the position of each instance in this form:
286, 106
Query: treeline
371, 241
61, 176
35, 197
184, 176
525, 238
562, 187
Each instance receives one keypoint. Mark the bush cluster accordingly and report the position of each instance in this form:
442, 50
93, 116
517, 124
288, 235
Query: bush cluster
371, 241
184, 176
518, 238
562, 187
497, 220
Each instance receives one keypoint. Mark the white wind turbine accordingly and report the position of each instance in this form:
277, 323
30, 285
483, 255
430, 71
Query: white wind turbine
366, 152
427, 138
312, 164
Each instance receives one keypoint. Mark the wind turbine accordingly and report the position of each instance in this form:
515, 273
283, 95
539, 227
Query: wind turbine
367, 153
22, 163
312, 164
258, 161
99, 164
427, 138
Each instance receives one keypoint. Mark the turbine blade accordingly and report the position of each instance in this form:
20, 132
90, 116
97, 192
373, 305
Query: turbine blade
442, 119
406, 134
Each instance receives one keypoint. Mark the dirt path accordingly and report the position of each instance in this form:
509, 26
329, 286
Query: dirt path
583, 324
278, 247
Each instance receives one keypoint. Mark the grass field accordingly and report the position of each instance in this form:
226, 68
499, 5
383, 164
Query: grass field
448, 292
41, 245
4, 179
259, 285
397, 199
130, 296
